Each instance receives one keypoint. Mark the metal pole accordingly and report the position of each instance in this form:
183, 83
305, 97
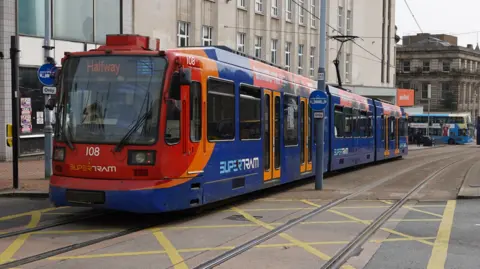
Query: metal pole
429, 96
48, 129
321, 87
15, 106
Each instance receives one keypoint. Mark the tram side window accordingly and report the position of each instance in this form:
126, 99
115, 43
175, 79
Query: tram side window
392, 127
347, 111
290, 116
173, 115
196, 111
339, 122
220, 110
363, 124
369, 130
250, 102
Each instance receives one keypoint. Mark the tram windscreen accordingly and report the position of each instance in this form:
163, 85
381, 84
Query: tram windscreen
105, 96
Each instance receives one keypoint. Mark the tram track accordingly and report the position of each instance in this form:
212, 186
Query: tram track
222, 258
353, 247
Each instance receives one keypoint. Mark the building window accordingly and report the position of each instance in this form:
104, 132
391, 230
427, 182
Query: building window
258, 46
312, 61
288, 10
426, 66
446, 66
313, 19
301, 12
274, 8
241, 42
207, 35
348, 65
249, 109
340, 20
290, 115
300, 59
90, 20
445, 89
73, 20
406, 66
220, 110
107, 12
288, 46
349, 22
259, 6
274, 50
31, 17
183, 35
33, 100
241, 3
424, 90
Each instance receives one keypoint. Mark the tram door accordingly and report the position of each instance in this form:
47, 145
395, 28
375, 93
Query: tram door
397, 137
386, 135
271, 135
305, 137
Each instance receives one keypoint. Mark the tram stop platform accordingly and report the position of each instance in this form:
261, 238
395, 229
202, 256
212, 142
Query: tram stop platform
471, 184
31, 182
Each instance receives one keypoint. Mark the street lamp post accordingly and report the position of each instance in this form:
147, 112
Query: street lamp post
429, 97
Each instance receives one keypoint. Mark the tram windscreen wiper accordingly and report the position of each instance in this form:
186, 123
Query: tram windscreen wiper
132, 130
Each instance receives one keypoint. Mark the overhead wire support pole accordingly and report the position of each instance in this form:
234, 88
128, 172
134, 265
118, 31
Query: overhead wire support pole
48, 129
342, 39
319, 122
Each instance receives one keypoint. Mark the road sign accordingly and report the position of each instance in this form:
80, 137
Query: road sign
49, 90
46, 74
318, 114
318, 100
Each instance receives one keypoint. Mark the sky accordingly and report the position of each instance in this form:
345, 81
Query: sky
455, 17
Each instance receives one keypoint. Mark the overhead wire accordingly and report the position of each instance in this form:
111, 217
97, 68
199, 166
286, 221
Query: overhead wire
336, 30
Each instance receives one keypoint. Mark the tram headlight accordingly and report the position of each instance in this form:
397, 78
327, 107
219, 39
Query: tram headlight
141, 157
59, 154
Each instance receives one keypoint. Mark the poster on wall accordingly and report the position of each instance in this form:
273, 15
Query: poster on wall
26, 115
39, 117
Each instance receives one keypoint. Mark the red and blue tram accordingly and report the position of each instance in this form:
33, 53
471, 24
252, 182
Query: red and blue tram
145, 130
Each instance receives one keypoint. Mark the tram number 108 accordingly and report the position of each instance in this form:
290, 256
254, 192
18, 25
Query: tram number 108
92, 151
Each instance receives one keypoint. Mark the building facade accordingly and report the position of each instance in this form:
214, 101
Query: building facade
76, 26
285, 32
452, 71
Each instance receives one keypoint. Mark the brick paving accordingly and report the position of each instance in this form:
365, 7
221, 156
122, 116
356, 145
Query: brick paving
31, 175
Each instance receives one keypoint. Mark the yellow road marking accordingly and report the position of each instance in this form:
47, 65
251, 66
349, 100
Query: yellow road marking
367, 222
440, 248
417, 210
171, 251
18, 243
339, 207
225, 248
290, 238
9, 217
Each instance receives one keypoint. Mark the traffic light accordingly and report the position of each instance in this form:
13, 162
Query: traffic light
9, 135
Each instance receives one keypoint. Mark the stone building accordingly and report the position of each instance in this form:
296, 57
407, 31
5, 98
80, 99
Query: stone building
453, 72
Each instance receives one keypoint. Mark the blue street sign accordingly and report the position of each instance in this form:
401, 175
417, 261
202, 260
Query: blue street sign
318, 100
46, 74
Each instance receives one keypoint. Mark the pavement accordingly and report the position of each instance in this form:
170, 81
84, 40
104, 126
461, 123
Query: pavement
432, 231
31, 175
471, 186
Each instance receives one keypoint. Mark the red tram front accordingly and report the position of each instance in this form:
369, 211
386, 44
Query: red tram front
107, 149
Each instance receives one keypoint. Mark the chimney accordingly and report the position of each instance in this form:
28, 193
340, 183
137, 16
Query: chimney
470, 46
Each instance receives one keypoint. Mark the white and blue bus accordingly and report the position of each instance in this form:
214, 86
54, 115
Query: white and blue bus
445, 128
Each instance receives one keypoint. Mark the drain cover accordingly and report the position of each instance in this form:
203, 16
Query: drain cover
240, 218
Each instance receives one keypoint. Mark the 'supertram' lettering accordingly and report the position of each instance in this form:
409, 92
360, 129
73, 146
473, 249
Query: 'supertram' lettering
93, 168
239, 165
